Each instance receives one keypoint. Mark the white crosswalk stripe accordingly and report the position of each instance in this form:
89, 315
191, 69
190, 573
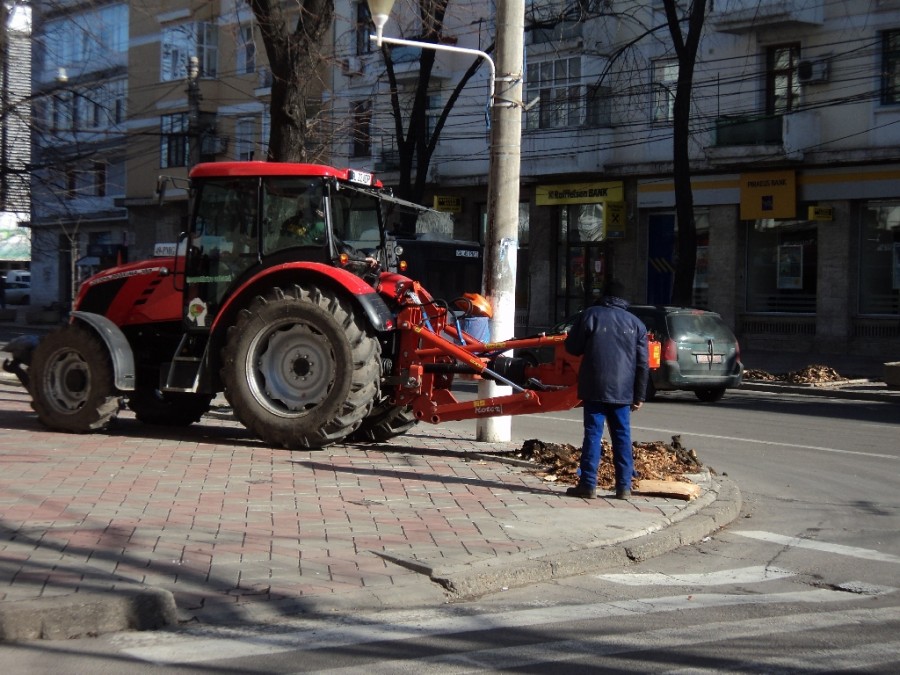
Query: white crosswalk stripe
659, 640
215, 644
812, 544
743, 575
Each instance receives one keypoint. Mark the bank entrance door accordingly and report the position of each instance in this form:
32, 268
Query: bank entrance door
582, 263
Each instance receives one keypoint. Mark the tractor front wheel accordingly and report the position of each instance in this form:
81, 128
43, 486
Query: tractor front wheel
71, 381
300, 367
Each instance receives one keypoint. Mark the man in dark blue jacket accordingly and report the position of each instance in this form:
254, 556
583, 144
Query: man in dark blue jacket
612, 382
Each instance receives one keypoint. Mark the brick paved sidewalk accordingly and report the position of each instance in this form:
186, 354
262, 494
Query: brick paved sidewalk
230, 526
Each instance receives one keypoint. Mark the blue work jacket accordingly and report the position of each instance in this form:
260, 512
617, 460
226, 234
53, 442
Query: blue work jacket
613, 344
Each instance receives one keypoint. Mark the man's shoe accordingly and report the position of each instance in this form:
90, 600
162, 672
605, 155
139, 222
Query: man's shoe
583, 492
622, 493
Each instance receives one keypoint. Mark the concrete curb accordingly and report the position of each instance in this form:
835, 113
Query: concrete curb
716, 508
86, 614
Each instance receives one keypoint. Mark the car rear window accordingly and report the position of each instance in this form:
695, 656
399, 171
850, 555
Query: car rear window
698, 327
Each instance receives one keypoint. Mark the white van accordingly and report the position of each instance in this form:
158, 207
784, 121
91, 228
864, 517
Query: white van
23, 276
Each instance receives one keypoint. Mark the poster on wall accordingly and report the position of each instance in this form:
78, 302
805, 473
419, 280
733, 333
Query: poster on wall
790, 266
896, 266
701, 278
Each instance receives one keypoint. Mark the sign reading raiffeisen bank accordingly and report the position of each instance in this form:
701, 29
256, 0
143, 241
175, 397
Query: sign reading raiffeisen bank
579, 193
447, 204
768, 195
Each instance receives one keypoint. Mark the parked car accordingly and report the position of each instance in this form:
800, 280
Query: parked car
699, 352
18, 293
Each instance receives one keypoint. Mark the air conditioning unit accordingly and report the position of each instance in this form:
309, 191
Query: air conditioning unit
352, 66
811, 71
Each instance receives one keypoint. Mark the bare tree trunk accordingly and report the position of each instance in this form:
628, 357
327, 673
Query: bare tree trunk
686, 50
294, 57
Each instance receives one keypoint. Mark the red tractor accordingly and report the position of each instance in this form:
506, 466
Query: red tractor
285, 295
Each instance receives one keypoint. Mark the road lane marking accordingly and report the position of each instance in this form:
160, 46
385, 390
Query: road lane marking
800, 542
744, 440
742, 575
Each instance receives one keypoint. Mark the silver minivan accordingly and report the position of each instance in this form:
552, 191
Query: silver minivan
699, 352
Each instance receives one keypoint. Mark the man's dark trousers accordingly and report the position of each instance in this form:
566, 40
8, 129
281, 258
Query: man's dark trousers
619, 419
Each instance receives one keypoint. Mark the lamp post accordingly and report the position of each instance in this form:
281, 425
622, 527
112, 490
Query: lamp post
501, 246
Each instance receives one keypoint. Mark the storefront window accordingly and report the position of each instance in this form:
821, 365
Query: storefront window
879, 265
781, 266
581, 265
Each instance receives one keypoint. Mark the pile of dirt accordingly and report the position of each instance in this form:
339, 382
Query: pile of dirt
652, 461
810, 375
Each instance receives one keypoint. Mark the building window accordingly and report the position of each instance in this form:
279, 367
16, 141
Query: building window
879, 264
361, 136
890, 67
555, 87
174, 141
244, 139
180, 43
782, 83
363, 29
665, 81
781, 266
88, 41
246, 52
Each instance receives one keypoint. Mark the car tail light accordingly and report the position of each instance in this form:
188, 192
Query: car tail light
670, 350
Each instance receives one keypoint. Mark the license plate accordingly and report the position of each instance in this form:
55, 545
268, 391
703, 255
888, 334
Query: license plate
709, 358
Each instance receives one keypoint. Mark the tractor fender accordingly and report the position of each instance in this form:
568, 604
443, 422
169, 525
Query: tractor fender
373, 305
116, 344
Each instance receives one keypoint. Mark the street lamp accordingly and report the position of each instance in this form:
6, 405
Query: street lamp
381, 10
501, 246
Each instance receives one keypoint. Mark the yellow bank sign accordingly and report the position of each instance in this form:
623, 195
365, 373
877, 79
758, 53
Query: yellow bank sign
768, 195
579, 193
447, 204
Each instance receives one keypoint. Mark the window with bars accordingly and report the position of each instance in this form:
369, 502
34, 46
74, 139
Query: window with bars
174, 147
890, 67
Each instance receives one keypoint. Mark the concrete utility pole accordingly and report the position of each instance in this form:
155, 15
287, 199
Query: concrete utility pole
501, 246
194, 98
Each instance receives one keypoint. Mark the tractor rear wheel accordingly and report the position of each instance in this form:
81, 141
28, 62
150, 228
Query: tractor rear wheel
300, 367
71, 381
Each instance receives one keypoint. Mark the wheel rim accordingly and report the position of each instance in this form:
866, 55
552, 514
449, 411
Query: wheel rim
68, 382
291, 368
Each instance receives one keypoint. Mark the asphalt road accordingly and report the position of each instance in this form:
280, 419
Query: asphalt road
806, 580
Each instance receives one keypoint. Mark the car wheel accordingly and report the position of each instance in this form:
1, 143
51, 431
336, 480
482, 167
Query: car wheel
710, 395
650, 394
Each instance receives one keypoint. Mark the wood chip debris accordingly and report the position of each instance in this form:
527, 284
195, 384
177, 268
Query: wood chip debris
815, 374
656, 460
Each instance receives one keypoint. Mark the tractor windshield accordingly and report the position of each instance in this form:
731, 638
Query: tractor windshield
354, 215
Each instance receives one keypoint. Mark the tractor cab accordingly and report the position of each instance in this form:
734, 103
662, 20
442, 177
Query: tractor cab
253, 215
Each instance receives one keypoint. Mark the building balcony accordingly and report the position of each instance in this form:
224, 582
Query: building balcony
745, 16
777, 137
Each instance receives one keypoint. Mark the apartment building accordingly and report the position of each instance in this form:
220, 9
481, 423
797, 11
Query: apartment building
80, 83
15, 148
203, 97
794, 145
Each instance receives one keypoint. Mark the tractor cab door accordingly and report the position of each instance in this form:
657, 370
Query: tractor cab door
224, 243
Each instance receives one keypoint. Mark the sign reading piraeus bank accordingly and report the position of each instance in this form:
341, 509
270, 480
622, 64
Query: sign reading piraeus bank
768, 195
579, 193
